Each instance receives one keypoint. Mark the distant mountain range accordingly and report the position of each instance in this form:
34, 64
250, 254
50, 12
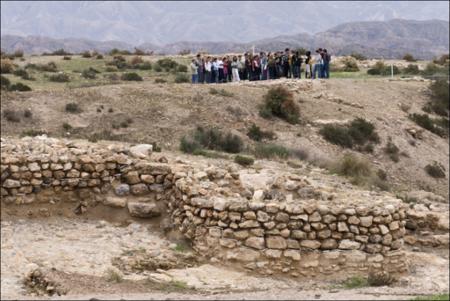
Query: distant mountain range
167, 22
388, 39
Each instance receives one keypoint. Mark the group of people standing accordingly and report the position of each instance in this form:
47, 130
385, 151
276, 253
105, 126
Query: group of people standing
262, 66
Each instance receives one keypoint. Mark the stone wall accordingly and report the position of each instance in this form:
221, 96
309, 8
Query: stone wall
289, 227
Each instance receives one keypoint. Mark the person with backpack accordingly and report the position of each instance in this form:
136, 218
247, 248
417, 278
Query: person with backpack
309, 61
296, 64
326, 64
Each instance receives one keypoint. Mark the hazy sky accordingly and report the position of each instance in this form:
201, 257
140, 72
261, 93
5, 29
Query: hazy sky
167, 22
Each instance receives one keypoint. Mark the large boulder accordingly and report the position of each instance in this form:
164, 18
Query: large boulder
138, 209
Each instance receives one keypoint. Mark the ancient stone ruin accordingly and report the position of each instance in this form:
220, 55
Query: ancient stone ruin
286, 226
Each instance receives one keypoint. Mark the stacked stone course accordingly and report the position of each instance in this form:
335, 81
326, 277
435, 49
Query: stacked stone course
297, 229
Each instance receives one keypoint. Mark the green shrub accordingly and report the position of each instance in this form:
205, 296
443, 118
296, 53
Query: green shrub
160, 81
337, 134
167, 63
409, 58
136, 61
263, 150
111, 69
11, 115
59, 78
119, 62
99, 57
442, 60
435, 70
256, 134
381, 69
182, 68
66, 126
22, 73
4, 83
145, 66
392, 150
424, 121
440, 297
19, 87
412, 69
435, 170
181, 78
244, 160
90, 73
86, 54
73, 108
60, 52
158, 68
132, 76
355, 282
67, 58
279, 102
213, 139
352, 166
358, 132
440, 97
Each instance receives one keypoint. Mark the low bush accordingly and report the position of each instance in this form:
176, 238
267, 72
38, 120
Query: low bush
435, 170
167, 64
90, 73
60, 52
182, 68
244, 160
33, 133
86, 54
279, 102
22, 73
411, 69
6, 66
424, 121
132, 76
442, 60
49, 67
119, 62
158, 68
11, 115
19, 87
355, 282
181, 78
116, 51
409, 57
220, 92
99, 57
353, 166
213, 139
66, 126
358, 133
138, 51
27, 113
4, 83
358, 56
432, 69
381, 69
18, 53
113, 275
160, 81
440, 97
256, 134
59, 78
350, 65
144, 66
67, 58
73, 108
269, 151
392, 150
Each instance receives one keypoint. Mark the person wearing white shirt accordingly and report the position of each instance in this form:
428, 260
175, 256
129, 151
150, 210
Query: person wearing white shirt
317, 68
208, 66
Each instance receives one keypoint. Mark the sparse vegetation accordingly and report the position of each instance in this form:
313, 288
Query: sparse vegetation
244, 160
358, 133
270, 151
19, 87
411, 69
181, 78
439, 297
86, 54
22, 73
90, 73
160, 81
380, 279
392, 150
6, 66
279, 102
440, 97
355, 282
4, 83
73, 108
432, 125
112, 275
350, 65
409, 57
59, 78
381, 69
435, 170
213, 139
358, 56
11, 115
132, 76
256, 134
33, 133
220, 92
